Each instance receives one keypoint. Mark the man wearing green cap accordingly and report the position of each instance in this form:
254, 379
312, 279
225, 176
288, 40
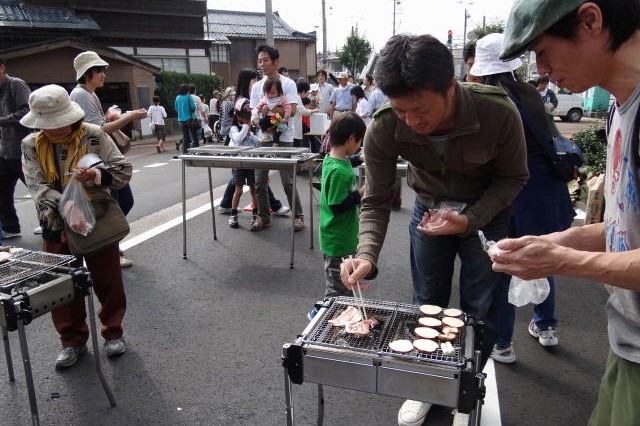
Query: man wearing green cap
583, 44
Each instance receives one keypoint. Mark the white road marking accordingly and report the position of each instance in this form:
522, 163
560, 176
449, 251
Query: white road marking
153, 165
491, 407
136, 170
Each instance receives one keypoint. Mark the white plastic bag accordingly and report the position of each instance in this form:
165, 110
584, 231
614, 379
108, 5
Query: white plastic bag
522, 291
76, 209
207, 130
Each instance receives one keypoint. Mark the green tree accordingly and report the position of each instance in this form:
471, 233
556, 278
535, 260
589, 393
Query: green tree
481, 31
355, 52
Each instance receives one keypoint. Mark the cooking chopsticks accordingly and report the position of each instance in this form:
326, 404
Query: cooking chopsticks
359, 299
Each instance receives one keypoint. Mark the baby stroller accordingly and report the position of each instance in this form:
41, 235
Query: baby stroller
216, 132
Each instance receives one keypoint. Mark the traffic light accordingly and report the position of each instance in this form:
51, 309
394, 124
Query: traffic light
449, 37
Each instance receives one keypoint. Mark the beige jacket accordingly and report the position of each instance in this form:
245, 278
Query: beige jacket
116, 172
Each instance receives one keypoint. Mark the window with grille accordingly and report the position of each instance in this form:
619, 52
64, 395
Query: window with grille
220, 53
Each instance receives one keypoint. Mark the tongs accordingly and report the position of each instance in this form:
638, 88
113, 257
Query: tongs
358, 298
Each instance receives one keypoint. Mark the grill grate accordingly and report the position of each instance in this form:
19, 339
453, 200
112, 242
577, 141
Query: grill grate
397, 321
275, 151
405, 322
27, 264
326, 334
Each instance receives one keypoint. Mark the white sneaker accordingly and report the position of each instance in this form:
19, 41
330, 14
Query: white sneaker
38, 230
460, 419
546, 337
505, 355
115, 347
413, 413
282, 211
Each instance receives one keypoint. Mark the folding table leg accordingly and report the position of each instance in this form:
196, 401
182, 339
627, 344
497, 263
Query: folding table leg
288, 399
7, 354
26, 361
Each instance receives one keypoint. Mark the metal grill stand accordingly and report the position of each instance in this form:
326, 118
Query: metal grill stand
19, 306
321, 354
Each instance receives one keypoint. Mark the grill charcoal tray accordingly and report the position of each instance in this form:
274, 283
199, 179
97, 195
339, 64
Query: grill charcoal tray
28, 264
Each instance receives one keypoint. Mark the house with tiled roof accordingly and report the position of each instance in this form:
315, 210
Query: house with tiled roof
234, 37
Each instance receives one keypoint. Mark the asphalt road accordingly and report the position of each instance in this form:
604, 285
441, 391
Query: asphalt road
205, 334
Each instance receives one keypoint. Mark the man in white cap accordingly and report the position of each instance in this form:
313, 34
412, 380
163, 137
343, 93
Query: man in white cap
90, 74
543, 205
341, 100
582, 44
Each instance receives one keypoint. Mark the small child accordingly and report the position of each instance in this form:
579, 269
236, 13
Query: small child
314, 96
339, 201
157, 114
271, 121
241, 135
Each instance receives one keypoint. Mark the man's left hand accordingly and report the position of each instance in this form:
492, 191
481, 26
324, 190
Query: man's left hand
449, 223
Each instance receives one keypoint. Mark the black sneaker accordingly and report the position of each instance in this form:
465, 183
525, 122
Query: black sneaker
233, 221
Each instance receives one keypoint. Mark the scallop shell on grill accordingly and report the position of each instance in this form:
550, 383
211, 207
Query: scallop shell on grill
426, 332
401, 346
431, 310
425, 345
429, 322
453, 322
452, 312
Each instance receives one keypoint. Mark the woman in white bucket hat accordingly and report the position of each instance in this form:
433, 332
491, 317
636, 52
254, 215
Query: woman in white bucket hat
543, 206
50, 156
90, 74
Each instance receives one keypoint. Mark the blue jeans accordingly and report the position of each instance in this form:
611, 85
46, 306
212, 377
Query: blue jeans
432, 266
543, 314
189, 136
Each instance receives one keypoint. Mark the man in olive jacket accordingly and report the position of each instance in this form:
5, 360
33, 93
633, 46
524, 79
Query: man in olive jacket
465, 145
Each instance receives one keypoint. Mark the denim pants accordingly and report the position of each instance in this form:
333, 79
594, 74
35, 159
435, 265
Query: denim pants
262, 186
189, 136
10, 172
432, 267
543, 314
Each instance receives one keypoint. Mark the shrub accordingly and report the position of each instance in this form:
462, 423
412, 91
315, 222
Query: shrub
167, 83
594, 144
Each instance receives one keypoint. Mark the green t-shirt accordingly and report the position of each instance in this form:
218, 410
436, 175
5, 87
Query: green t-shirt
338, 232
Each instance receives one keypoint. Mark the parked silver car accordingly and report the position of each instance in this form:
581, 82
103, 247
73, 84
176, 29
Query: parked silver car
569, 107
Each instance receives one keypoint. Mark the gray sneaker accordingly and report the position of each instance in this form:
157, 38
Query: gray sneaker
233, 221
259, 223
224, 210
69, 356
115, 347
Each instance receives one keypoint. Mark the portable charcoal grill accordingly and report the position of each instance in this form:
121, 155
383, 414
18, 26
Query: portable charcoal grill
33, 283
272, 158
326, 355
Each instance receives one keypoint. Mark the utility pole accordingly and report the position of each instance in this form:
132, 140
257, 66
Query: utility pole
269, 15
464, 41
395, 2
324, 36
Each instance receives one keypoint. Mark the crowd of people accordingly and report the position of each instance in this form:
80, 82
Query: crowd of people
479, 145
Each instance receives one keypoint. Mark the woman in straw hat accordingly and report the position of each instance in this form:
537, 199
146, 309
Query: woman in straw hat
543, 205
50, 157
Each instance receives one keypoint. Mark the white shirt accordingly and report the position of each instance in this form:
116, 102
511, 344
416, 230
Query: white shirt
297, 119
362, 109
325, 90
157, 114
289, 90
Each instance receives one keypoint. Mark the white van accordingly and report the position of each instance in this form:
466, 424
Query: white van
569, 107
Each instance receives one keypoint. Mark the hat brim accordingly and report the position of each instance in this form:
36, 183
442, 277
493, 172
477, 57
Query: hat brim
59, 119
480, 69
97, 63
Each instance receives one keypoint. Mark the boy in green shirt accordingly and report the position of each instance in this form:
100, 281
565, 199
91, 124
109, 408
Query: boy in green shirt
339, 200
